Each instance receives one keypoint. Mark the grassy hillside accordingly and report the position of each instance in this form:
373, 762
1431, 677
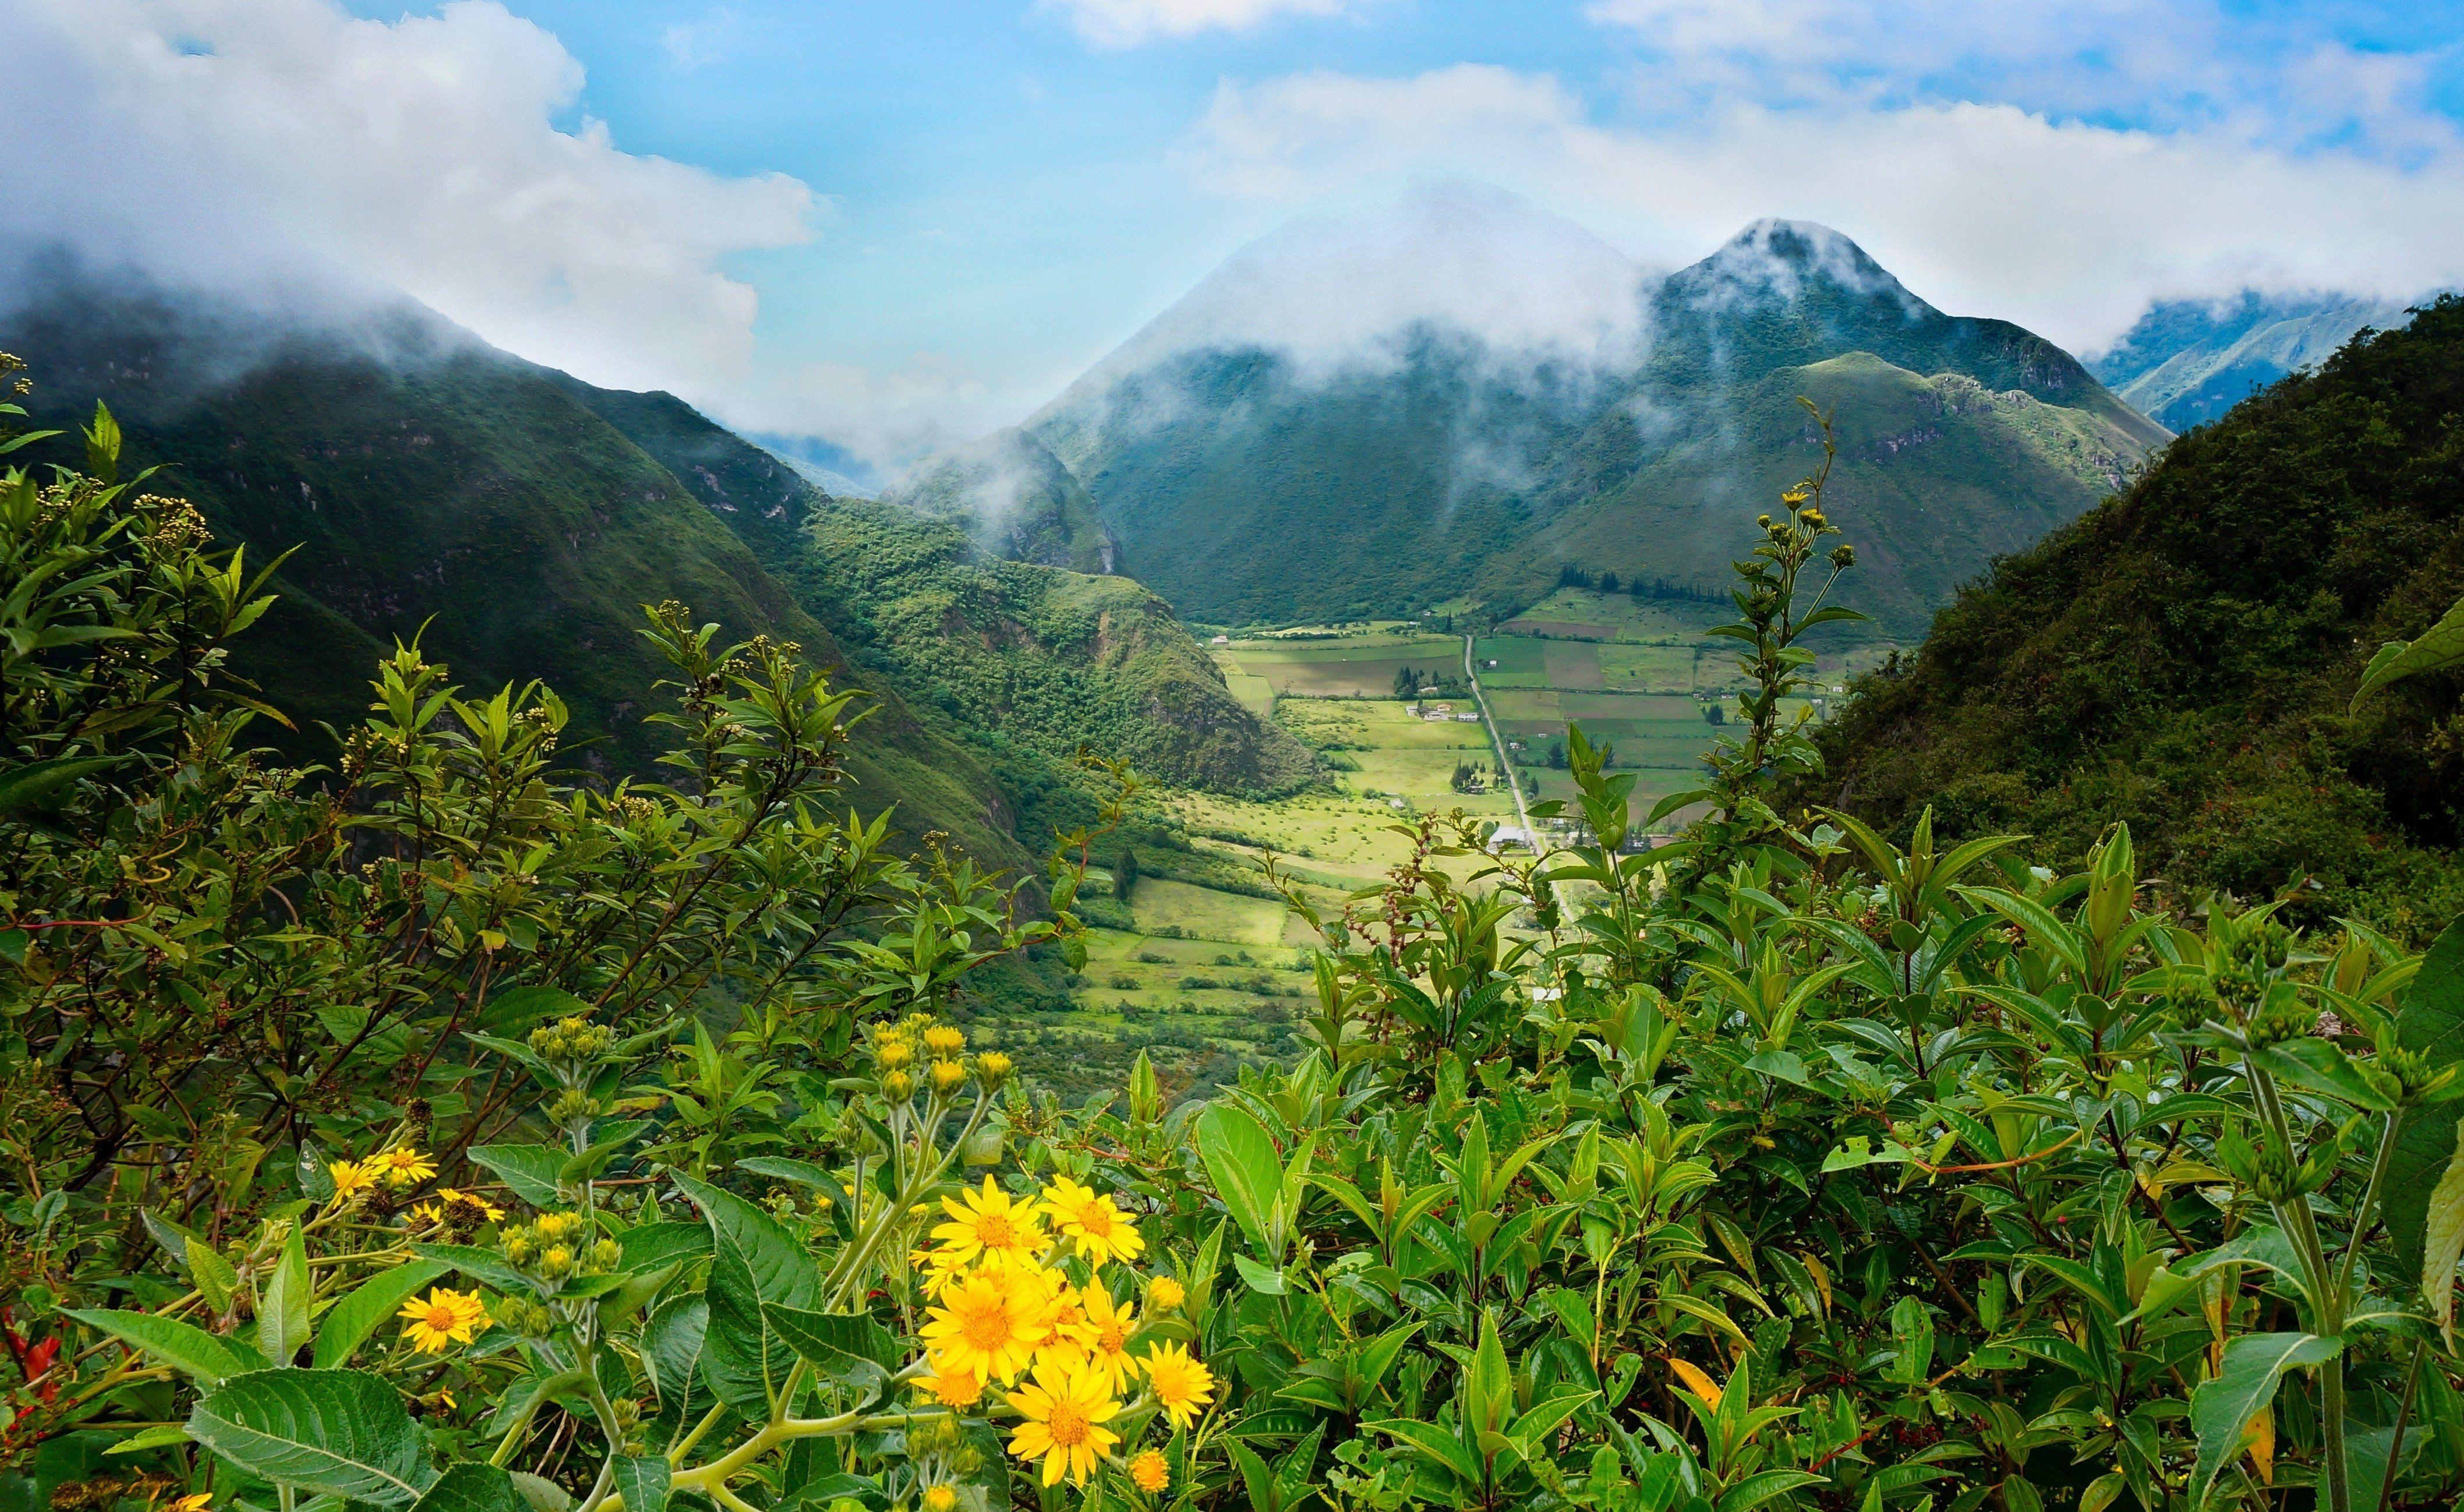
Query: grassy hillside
431, 481
2182, 657
1935, 477
1054, 660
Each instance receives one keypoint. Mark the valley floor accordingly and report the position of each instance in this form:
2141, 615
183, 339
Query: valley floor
1207, 978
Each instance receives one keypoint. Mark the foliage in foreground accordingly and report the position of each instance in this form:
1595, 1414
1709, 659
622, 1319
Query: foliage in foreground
431, 1133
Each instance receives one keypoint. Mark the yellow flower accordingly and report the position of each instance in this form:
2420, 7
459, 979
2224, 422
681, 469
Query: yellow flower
1063, 1426
940, 1499
402, 1168
351, 1180
193, 1504
1166, 1295
951, 1388
991, 1223
427, 1214
1099, 1231
988, 1325
945, 1039
1106, 1337
1181, 1386
1063, 1349
1149, 1471
947, 1074
444, 1318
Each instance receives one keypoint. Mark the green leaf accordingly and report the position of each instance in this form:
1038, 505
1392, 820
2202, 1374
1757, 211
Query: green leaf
25, 787
2321, 1067
336, 1433
1240, 1158
844, 1347
539, 1494
2430, 1021
653, 1244
471, 1486
348, 1323
2438, 648
484, 1266
1755, 1490
282, 1312
517, 1006
642, 1480
2443, 1243
216, 1281
754, 1264
161, 1436
182, 1346
1433, 1441
2221, 1409
1263, 1280
672, 1348
530, 1170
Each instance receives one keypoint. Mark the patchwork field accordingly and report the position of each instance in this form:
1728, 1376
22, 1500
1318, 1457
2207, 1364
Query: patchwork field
1209, 979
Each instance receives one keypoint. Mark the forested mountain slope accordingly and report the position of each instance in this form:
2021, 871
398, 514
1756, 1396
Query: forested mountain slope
2186, 361
2182, 657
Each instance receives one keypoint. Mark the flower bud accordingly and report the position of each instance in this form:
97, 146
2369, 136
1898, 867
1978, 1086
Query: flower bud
607, 1254
898, 1086
556, 1263
947, 1074
895, 1054
945, 1039
992, 1068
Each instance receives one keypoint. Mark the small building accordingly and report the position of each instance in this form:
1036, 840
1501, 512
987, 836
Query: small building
1505, 835
1223, 640
1468, 720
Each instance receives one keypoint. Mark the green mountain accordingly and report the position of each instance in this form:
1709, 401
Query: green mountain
1015, 499
436, 487
2189, 360
1251, 470
2181, 657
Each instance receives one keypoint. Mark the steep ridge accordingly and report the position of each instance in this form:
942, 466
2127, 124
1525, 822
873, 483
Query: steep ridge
1052, 660
1029, 661
2186, 361
438, 488
1573, 410
2182, 657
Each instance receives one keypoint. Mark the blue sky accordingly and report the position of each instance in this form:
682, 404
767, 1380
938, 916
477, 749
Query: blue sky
895, 224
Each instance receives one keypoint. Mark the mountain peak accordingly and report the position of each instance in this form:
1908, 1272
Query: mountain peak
1778, 260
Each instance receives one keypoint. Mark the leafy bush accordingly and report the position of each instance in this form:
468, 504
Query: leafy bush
429, 1134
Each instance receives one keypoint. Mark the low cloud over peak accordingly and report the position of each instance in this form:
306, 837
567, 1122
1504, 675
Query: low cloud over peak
285, 143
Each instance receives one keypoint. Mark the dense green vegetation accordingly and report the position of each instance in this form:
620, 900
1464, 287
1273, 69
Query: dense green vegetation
1247, 489
454, 1138
2183, 656
1015, 499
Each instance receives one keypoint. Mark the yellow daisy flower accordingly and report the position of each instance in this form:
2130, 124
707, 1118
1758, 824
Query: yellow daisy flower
1089, 1220
939, 1499
987, 1325
351, 1180
951, 1388
446, 1318
1149, 1471
426, 1215
1182, 1386
1166, 1295
990, 1223
1105, 1337
193, 1504
1063, 1425
404, 1167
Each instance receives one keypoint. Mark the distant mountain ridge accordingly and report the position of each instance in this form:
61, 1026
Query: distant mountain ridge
1250, 467
2186, 361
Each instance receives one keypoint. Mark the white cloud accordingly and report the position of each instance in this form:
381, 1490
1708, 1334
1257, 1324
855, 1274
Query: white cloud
2068, 227
1130, 23
264, 140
